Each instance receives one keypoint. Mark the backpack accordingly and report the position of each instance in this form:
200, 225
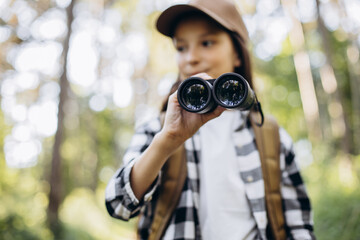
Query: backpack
268, 143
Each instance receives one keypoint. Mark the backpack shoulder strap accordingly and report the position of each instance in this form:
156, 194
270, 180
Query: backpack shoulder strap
267, 140
172, 183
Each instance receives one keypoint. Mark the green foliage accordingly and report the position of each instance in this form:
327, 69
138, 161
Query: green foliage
333, 185
337, 215
13, 228
23, 204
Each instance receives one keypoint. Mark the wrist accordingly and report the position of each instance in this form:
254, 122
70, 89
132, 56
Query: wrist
167, 142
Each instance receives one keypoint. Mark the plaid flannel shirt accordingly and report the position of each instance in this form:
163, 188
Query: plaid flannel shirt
184, 224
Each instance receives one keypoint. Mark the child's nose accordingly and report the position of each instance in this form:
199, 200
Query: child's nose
193, 56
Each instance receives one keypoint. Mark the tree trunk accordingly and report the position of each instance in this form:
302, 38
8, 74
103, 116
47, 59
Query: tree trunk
55, 195
340, 123
353, 64
303, 72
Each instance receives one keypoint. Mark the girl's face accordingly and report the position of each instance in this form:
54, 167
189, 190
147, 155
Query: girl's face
202, 46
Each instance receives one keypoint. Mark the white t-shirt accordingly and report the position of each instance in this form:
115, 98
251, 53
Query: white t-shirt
224, 211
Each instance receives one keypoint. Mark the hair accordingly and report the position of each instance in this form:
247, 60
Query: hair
242, 51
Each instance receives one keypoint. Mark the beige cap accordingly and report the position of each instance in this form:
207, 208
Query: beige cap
222, 11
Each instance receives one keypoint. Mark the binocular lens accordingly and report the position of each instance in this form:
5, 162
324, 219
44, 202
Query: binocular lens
195, 96
230, 92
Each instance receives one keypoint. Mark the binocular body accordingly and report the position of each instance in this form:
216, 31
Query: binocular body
230, 90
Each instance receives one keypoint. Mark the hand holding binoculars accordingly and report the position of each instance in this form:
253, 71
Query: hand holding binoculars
230, 90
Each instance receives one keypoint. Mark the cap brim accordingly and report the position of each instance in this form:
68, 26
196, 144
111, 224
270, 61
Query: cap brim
165, 22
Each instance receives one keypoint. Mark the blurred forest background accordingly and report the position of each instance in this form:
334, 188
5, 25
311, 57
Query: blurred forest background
76, 76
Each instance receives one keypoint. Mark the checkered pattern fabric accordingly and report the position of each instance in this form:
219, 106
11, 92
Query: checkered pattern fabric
121, 202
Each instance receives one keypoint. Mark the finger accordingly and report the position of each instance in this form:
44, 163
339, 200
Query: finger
218, 111
173, 96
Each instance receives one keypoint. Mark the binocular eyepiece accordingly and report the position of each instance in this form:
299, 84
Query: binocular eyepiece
230, 90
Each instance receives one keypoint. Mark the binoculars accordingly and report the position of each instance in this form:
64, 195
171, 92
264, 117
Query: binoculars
230, 90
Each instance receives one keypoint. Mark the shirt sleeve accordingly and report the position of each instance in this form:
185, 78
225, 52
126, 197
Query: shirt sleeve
120, 199
296, 203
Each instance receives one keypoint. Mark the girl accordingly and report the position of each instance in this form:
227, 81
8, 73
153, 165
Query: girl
223, 194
